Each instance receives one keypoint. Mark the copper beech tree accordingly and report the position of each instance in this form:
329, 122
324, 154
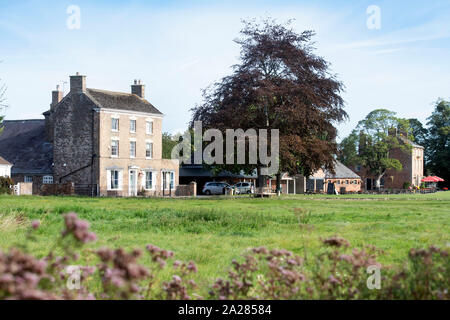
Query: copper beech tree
279, 83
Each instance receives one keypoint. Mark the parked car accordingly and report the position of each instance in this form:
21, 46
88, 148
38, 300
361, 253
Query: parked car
244, 188
215, 188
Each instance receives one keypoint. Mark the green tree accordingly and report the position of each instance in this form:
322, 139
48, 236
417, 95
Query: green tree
419, 132
371, 142
168, 143
439, 140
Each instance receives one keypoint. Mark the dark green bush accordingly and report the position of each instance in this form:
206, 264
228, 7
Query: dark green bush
5, 185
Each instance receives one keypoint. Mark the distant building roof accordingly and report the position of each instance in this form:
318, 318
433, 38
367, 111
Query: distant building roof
23, 143
411, 143
121, 101
341, 172
3, 161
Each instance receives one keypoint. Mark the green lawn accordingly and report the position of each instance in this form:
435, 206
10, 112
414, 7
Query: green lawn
214, 231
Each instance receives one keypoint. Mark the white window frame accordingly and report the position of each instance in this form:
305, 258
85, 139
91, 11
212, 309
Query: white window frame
28, 179
148, 142
147, 122
133, 130
115, 140
113, 120
163, 173
133, 142
47, 179
119, 179
144, 182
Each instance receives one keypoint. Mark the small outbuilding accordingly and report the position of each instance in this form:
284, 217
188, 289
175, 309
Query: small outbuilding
343, 180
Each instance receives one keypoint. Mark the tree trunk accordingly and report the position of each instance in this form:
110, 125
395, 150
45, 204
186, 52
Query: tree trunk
262, 180
278, 184
378, 181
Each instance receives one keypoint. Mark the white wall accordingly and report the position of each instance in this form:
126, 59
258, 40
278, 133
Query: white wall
5, 170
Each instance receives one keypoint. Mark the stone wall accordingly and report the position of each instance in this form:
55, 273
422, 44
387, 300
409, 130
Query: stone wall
186, 190
73, 139
57, 189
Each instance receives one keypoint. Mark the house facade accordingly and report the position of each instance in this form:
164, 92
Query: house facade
5, 168
106, 143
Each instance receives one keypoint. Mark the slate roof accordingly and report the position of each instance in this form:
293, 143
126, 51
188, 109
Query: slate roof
23, 143
341, 172
3, 161
121, 101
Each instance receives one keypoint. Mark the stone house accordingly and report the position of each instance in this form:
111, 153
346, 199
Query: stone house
105, 143
412, 168
5, 168
109, 142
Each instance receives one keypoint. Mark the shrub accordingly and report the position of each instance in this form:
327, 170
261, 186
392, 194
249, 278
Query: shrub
336, 272
5, 185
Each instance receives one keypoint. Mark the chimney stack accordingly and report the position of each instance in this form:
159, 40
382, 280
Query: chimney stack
138, 89
392, 132
57, 96
77, 83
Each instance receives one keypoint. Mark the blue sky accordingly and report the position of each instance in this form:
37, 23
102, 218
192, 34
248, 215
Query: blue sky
178, 48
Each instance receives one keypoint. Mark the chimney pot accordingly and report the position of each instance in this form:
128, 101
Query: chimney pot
57, 96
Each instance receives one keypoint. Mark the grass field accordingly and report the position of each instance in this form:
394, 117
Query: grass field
213, 231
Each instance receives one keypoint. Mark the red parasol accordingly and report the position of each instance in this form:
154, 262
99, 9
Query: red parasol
438, 179
430, 179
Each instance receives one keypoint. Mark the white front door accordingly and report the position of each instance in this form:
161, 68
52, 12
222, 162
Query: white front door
132, 183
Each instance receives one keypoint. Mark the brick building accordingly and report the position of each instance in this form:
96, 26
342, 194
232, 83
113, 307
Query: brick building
412, 168
343, 179
106, 143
